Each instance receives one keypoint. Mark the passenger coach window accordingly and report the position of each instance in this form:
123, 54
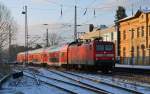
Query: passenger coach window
54, 60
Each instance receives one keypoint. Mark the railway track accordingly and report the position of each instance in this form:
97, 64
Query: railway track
70, 92
85, 82
67, 86
95, 83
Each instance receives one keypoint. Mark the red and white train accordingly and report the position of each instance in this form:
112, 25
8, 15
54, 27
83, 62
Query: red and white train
96, 54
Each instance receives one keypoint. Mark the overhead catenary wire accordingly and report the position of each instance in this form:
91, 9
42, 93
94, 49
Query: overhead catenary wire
79, 7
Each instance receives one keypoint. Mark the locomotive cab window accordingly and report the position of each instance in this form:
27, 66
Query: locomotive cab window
106, 47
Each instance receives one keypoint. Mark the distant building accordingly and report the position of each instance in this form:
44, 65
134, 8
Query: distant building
107, 34
102, 26
135, 38
91, 34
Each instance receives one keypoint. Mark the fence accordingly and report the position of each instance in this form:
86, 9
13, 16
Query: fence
135, 60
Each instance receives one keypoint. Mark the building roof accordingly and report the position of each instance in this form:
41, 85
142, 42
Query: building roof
137, 14
97, 33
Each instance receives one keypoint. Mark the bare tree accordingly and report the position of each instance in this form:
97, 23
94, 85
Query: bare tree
6, 24
54, 39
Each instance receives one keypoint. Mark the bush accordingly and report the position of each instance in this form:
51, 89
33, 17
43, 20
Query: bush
5, 69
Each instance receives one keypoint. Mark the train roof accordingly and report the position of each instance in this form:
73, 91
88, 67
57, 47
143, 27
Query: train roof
36, 51
88, 41
53, 48
32, 51
47, 49
21, 53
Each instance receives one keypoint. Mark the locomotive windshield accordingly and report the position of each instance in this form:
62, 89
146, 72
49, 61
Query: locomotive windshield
104, 47
100, 47
108, 47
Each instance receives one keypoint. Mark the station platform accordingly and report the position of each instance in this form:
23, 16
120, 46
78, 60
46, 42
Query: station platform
137, 69
133, 66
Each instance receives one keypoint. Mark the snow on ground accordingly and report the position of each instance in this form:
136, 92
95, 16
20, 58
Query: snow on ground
26, 85
108, 79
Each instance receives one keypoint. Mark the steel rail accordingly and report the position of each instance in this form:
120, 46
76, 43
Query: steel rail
94, 80
77, 85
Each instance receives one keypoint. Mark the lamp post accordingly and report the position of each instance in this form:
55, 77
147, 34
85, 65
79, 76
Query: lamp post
75, 24
46, 44
26, 34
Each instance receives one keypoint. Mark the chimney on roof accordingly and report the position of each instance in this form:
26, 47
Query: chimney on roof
140, 8
91, 27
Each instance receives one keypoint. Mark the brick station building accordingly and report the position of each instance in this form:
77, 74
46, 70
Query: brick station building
135, 38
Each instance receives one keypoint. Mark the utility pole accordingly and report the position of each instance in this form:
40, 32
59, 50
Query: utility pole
9, 43
47, 40
26, 34
75, 23
79, 34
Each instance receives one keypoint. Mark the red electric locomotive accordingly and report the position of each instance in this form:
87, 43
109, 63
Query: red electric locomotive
95, 55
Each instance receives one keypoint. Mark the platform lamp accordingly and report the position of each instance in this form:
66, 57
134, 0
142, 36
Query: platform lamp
47, 42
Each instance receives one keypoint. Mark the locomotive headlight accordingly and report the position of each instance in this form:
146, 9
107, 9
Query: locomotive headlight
110, 55
112, 58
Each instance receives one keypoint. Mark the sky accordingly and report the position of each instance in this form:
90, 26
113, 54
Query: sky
49, 12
